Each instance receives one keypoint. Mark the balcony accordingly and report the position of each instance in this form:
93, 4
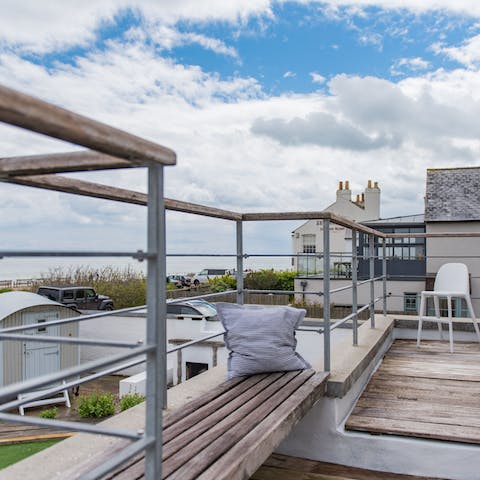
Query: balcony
344, 353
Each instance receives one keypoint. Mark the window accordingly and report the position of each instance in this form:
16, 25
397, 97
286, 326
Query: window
309, 243
41, 329
68, 295
410, 302
81, 294
189, 311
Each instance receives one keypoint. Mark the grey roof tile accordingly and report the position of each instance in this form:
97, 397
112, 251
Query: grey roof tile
452, 194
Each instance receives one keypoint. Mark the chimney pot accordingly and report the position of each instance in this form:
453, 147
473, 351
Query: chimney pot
363, 198
375, 185
357, 200
369, 184
340, 185
347, 185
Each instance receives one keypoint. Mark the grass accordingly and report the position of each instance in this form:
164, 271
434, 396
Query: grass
10, 454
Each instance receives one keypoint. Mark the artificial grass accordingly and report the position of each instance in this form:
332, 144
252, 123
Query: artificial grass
10, 454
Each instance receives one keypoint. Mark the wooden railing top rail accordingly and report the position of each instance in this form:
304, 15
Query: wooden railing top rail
90, 189
28, 112
60, 163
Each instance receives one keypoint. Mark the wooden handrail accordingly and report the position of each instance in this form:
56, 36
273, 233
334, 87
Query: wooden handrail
28, 112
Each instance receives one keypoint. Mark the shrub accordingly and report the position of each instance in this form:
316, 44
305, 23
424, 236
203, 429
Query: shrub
49, 413
96, 405
126, 287
261, 280
129, 400
223, 283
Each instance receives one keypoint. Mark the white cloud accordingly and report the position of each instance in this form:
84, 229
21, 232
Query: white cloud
317, 78
394, 130
289, 74
414, 64
467, 54
47, 26
37, 26
168, 37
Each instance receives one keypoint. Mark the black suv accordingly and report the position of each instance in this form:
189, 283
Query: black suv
82, 298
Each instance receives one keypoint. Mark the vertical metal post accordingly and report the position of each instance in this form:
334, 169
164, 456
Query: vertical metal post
326, 295
179, 366
354, 287
384, 273
156, 323
371, 240
239, 275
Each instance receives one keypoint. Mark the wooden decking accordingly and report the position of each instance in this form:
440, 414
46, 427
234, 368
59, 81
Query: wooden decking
282, 467
231, 431
423, 392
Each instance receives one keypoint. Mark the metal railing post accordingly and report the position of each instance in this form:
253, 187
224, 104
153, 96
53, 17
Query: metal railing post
239, 274
326, 295
354, 287
384, 273
156, 323
371, 253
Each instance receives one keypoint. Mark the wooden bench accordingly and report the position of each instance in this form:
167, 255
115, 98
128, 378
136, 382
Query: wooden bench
229, 432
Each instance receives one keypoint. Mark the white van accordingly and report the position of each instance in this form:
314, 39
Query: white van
208, 273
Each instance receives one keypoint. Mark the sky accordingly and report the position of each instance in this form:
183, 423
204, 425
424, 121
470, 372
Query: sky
268, 105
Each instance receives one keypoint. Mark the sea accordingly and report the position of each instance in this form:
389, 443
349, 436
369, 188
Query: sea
34, 267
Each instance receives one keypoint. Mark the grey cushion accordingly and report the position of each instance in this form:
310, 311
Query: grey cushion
261, 339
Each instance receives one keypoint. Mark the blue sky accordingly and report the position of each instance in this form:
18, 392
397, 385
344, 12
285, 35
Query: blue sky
268, 104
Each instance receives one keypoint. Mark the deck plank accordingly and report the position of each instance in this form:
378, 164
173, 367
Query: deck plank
423, 392
283, 467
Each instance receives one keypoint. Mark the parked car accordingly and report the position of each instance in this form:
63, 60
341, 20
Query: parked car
196, 309
208, 273
180, 281
82, 298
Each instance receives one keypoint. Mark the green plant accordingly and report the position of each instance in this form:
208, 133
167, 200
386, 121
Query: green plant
96, 405
126, 287
129, 400
261, 280
49, 413
223, 283
5, 290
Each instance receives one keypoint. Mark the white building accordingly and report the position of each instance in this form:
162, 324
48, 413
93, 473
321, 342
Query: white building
308, 238
452, 205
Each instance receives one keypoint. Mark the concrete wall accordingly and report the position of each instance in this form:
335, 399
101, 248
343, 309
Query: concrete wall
133, 328
465, 248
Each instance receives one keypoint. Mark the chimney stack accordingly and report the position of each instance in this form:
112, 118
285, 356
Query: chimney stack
344, 193
371, 199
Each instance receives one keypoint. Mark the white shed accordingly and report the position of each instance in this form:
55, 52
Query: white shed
21, 360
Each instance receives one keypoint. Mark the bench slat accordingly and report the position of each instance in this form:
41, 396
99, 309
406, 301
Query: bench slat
221, 403
246, 455
187, 466
174, 416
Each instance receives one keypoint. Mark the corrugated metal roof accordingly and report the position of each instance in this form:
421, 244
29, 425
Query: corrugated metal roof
452, 195
11, 302
418, 218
